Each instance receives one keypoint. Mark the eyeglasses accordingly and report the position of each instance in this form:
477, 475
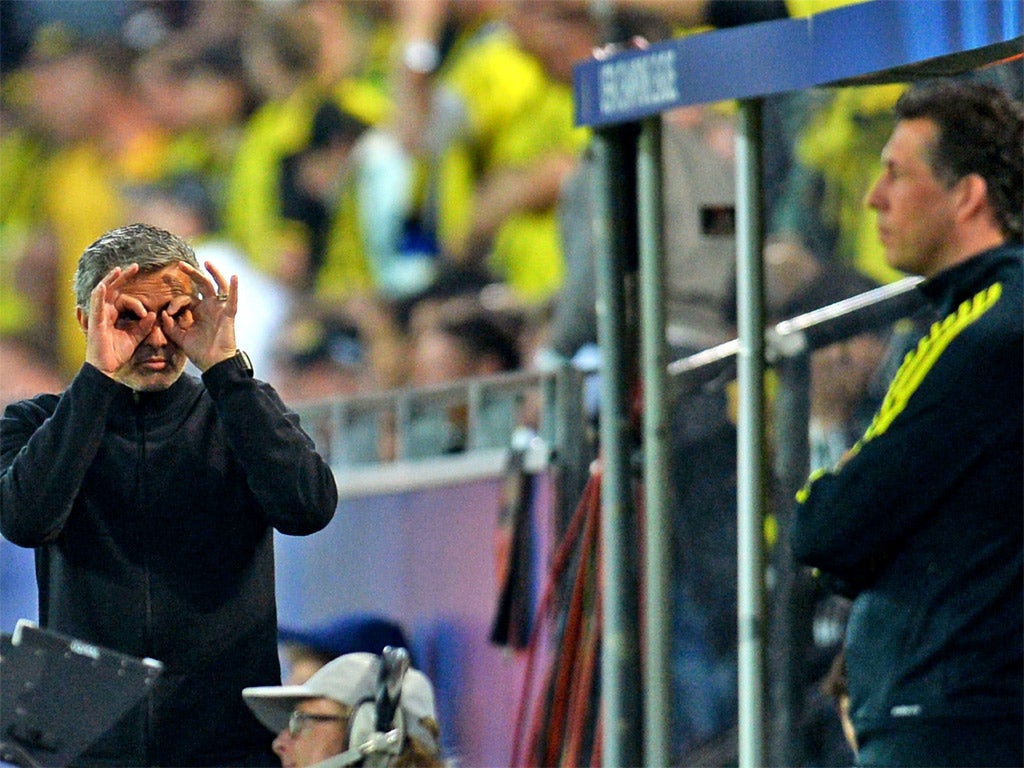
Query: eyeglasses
300, 721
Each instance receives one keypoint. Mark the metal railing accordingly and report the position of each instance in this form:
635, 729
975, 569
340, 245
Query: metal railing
409, 438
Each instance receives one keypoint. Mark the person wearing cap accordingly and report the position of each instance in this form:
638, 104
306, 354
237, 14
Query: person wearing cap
331, 720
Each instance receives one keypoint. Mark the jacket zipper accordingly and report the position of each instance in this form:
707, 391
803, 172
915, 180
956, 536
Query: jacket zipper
148, 733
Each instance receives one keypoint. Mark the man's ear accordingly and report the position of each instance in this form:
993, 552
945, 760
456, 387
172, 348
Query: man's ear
83, 319
972, 196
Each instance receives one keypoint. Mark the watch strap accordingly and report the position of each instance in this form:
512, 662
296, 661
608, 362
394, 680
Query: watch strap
241, 361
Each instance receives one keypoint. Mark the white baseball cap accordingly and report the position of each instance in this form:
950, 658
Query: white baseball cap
350, 680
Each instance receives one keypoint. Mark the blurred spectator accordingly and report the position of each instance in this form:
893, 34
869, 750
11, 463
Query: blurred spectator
27, 264
198, 91
821, 203
846, 385
846, 377
82, 103
514, 229
318, 356
356, 174
703, 473
384, 339
351, 186
698, 229
299, 59
450, 341
327, 352
306, 650
702, 477
848, 382
497, 138
23, 373
444, 47
459, 339
281, 59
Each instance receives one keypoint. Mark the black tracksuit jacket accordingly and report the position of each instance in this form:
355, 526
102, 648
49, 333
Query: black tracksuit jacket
924, 523
152, 518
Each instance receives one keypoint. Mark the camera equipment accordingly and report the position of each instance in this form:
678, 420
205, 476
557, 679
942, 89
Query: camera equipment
59, 694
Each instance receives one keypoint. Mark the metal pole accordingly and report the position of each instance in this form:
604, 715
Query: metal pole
620, 660
574, 450
789, 615
750, 437
657, 605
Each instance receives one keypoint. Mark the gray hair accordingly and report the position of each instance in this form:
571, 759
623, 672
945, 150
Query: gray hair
149, 247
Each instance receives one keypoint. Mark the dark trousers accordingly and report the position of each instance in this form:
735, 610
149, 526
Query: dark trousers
989, 743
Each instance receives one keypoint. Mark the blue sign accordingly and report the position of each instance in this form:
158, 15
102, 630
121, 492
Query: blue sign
870, 42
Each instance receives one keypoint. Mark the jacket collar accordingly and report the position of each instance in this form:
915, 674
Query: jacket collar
156, 404
951, 286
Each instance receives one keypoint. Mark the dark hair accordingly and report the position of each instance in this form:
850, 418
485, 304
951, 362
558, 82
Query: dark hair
186, 189
482, 335
292, 43
150, 247
981, 130
332, 124
105, 53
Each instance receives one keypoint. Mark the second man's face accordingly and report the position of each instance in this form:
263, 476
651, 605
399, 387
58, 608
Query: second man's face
916, 211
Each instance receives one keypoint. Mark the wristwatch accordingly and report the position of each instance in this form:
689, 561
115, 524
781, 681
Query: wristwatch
241, 361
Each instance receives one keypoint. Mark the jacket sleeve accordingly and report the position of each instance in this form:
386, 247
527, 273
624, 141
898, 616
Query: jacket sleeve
46, 446
292, 483
960, 408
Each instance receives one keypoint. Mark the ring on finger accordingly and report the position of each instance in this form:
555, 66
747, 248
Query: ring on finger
221, 296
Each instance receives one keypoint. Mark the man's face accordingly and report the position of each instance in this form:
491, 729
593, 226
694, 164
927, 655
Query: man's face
916, 211
158, 362
438, 358
312, 740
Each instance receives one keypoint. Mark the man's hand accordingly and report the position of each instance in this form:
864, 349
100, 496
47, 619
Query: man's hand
110, 343
208, 336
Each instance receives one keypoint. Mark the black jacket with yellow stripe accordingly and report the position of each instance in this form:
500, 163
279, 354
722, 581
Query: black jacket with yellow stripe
924, 520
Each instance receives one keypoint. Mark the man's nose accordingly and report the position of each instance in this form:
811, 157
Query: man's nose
279, 743
156, 336
875, 198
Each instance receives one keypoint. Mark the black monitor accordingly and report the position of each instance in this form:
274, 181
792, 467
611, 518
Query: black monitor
59, 694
